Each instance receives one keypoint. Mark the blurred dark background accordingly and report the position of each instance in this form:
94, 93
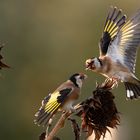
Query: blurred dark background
45, 42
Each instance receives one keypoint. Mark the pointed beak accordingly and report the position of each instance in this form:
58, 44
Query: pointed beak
89, 64
83, 76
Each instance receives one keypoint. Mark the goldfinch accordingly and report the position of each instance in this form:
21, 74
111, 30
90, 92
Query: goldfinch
118, 48
61, 99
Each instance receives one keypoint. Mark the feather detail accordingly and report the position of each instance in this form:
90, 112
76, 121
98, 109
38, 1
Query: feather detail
115, 20
50, 106
133, 90
127, 42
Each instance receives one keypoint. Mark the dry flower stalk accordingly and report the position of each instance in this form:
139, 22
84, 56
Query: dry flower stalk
99, 112
58, 126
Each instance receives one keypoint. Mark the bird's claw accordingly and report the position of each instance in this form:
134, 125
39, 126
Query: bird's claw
114, 81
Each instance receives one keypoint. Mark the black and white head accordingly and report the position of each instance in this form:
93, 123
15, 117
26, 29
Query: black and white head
78, 79
93, 64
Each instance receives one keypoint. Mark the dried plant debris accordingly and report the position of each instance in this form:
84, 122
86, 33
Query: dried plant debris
76, 128
99, 112
2, 65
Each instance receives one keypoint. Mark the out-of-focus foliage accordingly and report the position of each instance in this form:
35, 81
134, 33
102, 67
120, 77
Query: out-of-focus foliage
46, 41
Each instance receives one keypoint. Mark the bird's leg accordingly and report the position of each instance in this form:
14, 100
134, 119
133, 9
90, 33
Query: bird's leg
72, 109
115, 80
69, 108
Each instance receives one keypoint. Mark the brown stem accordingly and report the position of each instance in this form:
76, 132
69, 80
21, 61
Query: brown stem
58, 126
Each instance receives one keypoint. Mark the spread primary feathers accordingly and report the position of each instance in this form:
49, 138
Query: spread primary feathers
118, 48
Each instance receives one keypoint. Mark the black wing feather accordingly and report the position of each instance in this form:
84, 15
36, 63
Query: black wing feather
114, 22
125, 46
64, 93
49, 107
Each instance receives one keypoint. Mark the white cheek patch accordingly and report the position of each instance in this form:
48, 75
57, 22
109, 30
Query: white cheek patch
97, 63
79, 81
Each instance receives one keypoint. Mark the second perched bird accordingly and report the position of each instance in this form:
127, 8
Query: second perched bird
61, 99
118, 49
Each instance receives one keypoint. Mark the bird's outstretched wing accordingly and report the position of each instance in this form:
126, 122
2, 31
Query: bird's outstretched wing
114, 21
124, 47
50, 105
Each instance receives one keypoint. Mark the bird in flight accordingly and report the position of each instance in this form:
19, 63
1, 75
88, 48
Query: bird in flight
61, 99
118, 49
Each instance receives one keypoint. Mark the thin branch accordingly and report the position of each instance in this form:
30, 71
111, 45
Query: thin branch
58, 126
76, 128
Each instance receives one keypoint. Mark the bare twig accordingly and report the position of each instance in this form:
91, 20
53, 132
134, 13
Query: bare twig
76, 128
58, 126
48, 128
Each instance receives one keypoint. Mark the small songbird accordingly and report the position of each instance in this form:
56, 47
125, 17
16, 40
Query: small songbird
61, 99
118, 48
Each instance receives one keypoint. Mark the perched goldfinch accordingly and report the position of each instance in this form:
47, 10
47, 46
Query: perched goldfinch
61, 99
118, 49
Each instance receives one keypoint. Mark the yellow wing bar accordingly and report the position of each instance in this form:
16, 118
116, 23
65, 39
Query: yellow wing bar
52, 105
111, 27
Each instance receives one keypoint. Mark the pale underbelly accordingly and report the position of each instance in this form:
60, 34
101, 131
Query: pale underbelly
68, 106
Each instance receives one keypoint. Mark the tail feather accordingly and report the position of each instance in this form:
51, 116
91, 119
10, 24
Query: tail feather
42, 117
46, 111
132, 90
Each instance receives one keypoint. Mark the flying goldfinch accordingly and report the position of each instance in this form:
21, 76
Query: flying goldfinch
61, 99
118, 49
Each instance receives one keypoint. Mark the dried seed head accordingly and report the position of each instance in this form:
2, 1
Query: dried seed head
99, 111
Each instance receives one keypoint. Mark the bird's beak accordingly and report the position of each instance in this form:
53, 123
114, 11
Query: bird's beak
84, 76
89, 64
